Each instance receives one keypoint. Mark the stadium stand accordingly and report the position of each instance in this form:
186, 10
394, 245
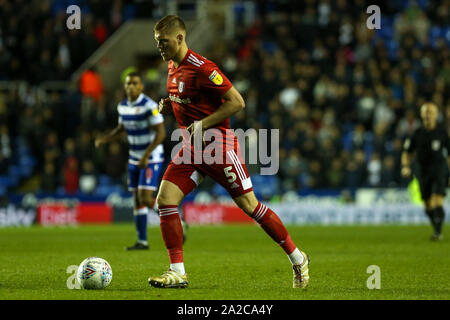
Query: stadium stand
343, 103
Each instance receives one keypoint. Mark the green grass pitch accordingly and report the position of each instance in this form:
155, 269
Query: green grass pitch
229, 262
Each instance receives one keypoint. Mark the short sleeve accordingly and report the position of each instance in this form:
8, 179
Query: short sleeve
212, 79
154, 117
119, 118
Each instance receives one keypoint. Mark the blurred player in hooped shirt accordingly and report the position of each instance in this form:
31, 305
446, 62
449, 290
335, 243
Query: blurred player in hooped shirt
202, 98
144, 125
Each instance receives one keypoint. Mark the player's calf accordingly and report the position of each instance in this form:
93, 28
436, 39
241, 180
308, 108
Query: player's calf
272, 225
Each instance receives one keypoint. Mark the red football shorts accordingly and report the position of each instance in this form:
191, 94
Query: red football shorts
231, 173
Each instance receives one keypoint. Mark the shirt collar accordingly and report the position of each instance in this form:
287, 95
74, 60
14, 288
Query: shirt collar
135, 102
185, 57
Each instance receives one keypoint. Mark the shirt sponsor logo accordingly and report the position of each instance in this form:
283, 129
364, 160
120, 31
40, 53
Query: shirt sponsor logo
216, 78
179, 100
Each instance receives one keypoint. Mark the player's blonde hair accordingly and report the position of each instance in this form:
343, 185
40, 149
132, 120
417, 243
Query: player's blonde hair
170, 22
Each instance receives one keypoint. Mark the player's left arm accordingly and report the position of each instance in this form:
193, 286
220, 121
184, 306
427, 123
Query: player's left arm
159, 138
409, 146
232, 103
215, 83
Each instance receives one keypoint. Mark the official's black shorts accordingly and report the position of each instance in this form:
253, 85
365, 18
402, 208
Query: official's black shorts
434, 183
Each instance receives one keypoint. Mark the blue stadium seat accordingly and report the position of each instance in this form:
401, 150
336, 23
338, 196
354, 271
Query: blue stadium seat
218, 190
104, 180
422, 3
60, 191
14, 181
392, 46
269, 47
436, 32
265, 185
405, 4
129, 12
447, 36
102, 190
347, 140
6, 181
303, 181
106, 190
3, 191
27, 161
15, 171
386, 21
116, 188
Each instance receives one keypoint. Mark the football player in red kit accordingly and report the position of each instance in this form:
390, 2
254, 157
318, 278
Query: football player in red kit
201, 97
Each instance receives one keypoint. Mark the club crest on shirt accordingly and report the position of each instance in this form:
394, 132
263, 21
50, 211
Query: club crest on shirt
148, 174
216, 78
435, 145
181, 87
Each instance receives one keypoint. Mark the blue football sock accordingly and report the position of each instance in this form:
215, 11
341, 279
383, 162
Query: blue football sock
140, 221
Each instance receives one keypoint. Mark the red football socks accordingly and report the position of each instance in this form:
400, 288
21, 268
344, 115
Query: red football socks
172, 232
273, 226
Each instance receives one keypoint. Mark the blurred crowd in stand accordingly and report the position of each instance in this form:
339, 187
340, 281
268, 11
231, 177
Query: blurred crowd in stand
343, 96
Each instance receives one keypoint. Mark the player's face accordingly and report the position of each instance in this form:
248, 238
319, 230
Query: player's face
429, 113
167, 43
133, 87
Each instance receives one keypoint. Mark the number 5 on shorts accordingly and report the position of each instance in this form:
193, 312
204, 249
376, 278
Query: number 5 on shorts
230, 175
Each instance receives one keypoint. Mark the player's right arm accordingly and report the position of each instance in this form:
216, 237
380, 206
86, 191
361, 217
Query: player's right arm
110, 136
407, 154
232, 103
164, 106
406, 164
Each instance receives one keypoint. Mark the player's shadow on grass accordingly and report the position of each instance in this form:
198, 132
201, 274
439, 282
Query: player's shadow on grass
128, 289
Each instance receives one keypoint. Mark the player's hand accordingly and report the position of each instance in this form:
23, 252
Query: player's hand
143, 162
164, 106
98, 142
406, 172
196, 128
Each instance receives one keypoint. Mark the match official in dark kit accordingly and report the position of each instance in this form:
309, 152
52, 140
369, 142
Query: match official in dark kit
431, 146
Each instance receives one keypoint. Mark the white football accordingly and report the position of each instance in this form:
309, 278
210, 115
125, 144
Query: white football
94, 273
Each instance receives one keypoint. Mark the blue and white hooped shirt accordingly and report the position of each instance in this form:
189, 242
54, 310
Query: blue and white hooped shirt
138, 117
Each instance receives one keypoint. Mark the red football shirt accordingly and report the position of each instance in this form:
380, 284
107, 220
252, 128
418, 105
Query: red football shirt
195, 89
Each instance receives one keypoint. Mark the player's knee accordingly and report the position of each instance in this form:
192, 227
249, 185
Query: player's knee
145, 198
164, 200
247, 208
247, 204
438, 201
429, 204
148, 202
